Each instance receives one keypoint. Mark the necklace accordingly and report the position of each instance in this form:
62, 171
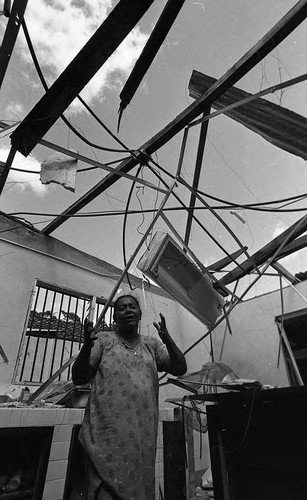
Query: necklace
130, 345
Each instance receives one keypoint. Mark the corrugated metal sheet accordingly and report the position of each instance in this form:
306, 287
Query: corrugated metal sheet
282, 127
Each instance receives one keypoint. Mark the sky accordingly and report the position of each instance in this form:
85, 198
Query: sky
238, 166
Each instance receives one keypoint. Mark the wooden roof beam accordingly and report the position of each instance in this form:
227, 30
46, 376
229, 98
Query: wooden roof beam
263, 47
284, 272
10, 35
293, 246
221, 264
266, 252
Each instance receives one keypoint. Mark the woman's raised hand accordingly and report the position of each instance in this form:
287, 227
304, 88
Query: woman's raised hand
162, 329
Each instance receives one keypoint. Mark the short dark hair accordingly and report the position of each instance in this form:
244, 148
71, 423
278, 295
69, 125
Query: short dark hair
122, 297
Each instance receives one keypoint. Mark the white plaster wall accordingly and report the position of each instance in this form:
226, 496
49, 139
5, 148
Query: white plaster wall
20, 266
252, 350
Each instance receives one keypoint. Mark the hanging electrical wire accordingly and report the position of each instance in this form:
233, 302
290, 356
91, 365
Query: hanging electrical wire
69, 125
106, 213
125, 223
126, 213
86, 169
197, 221
247, 206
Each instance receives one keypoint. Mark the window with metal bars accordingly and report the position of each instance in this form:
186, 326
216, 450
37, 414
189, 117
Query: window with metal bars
54, 331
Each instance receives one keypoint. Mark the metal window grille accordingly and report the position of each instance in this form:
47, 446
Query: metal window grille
54, 332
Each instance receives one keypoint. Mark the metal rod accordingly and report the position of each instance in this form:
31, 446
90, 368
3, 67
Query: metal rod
295, 289
65, 334
47, 338
198, 165
56, 335
186, 247
182, 150
82, 322
73, 336
197, 221
38, 338
28, 329
243, 248
151, 225
233, 305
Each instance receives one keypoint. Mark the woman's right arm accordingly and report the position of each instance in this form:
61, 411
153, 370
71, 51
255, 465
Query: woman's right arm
82, 371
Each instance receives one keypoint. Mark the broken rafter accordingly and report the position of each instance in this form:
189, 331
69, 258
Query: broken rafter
284, 272
10, 35
268, 43
292, 247
158, 35
266, 252
125, 15
221, 264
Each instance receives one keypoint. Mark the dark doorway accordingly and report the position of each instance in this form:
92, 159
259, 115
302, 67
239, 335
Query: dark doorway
23, 461
295, 328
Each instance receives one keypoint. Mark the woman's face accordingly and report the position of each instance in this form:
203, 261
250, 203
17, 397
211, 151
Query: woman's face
127, 314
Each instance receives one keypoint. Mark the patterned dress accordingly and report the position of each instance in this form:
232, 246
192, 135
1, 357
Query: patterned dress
119, 430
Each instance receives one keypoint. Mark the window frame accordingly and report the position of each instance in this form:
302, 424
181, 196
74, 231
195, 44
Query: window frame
62, 335
290, 357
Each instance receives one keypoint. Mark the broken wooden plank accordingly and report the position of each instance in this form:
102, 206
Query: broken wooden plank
2, 167
221, 264
293, 246
268, 43
284, 272
122, 19
10, 35
5, 170
266, 252
153, 44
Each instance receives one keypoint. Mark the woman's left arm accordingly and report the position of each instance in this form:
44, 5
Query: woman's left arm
177, 363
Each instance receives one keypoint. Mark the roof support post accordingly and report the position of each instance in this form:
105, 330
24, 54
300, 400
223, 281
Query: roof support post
10, 35
6, 168
198, 165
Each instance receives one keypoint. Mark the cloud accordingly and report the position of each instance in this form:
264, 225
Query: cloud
14, 111
295, 262
279, 228
60, 28
22, 181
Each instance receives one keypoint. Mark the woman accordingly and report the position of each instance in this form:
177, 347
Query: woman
119, 430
